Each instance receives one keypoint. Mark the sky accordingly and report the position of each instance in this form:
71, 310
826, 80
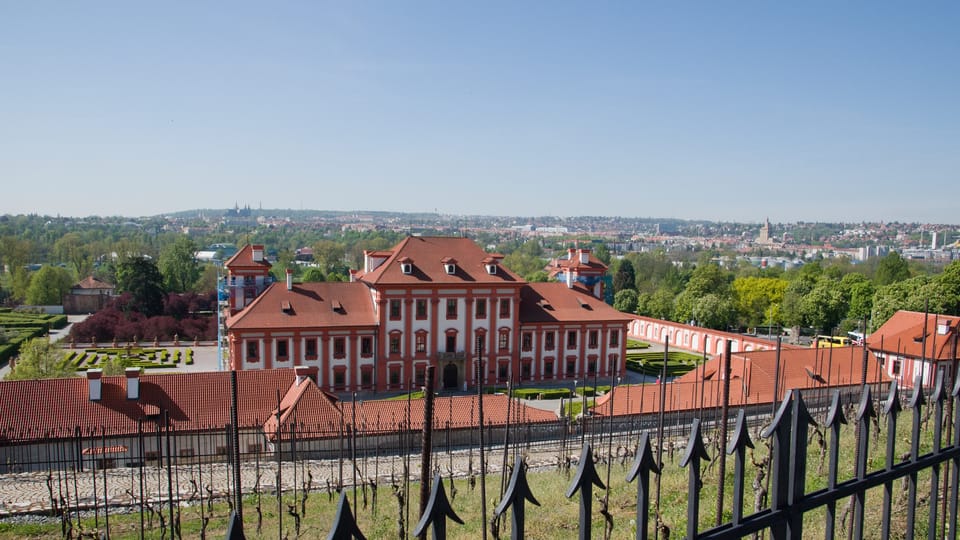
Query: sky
733, 111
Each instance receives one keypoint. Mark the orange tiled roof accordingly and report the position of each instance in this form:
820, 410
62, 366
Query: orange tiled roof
304, 408
194, 401
554, 302
903, 334
311, 305
427, 254
752, 376
244, 259
91, 282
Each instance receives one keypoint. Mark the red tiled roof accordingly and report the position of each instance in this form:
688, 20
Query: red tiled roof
427, 253
194, 401
311, 305
903, 334
91, 282
752, 376
554, 302
304, 408
456, 412
572, 261
244, 259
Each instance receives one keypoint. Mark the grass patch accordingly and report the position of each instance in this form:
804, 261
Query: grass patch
637, 344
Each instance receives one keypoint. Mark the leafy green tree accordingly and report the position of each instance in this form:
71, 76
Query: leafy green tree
915, 294
756, 297
625, 301
71, 249
658, 305
540, 276
313, 275
141, 278
524, 263
707, 278
208, 279
949, 279
714, 311
48, 285
858, 293
601, 252
891, 269
329, 255
624, 277
824, 306
178, 265
40, 359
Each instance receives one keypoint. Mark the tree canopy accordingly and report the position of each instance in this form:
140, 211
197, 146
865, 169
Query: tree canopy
40, 359
178, 265
48, 285
141, 278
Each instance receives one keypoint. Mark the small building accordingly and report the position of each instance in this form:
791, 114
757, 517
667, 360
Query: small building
582, 267
912, 345
88, 296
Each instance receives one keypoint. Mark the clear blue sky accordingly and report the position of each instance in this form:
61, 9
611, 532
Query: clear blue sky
839, 111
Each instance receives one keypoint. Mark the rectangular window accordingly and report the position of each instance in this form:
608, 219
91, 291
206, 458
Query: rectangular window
896, 367
481, 308
339, 347
548, 341
525, 371
395, 310
591, 367
282, 352
592, 339
366, 377
503, 342
451, 343
420, 376
311, 346
571, 368
572, 339
394, 376
452, 308
526, 341
421, 340
614, 338
421, 309
548, 369
253, 350
339, 379
479, 345
366, 346
502, 372
505, 308
395, 344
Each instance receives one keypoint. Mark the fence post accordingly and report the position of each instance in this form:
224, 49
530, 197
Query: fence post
789, 432
891, 408
436, 512
517, 493
955, 470
916, 403
937, 398
344, 524
864, 413
584, 481
834, 420
643, 465
691, 458
741, 441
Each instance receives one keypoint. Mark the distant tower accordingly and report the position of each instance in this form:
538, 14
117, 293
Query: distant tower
933, 243
765, 233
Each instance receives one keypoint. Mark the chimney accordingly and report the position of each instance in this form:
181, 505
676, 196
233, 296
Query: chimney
569, 276
366, 261
257, 253
289, 279
95, 384
305, 372
133, 383
584, 256
570, 254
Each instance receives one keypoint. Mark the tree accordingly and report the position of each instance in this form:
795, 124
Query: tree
755, 296
714, 311
823, 307
624, 277
658, 305
328, 254
40, 359
858, 292
523, 263
142, 279
313, 275
601, 252
178, 265
71, 249
625, 301
48, 285
891, 269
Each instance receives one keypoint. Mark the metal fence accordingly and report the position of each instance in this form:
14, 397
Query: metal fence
159, 471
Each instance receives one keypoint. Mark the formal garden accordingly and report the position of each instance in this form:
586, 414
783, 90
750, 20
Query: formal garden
124, 357
18, 327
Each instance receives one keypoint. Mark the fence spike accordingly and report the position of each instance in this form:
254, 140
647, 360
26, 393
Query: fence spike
344, 524
835, 414
917, 400
938, 394
583, 481
517, 493
864, 413
643, 464
738, 446
865, 407
691, 458
892, 404
741, 435
437, 511
835, 419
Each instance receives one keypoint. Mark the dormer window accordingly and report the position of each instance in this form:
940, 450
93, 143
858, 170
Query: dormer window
449, 265
491, 263
406, 265
492, 269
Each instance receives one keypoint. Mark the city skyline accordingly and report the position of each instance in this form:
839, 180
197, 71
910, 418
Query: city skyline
813, 112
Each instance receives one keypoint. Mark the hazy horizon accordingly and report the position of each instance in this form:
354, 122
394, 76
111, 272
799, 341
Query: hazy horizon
814, 112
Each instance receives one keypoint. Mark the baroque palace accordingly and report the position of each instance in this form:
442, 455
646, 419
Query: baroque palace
440, 301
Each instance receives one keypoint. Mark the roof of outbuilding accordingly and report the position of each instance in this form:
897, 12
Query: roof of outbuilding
244, 259
91, 282
911, 334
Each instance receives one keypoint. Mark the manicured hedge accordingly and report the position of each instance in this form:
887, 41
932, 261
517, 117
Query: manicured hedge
651, 363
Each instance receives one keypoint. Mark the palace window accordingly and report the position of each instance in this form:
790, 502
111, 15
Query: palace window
504, 308
526, 341
503, 341
592, 339
548, 339
311, 347
395, 343
451, 308
421, 342
366, 346
253, 350
481, 308
282, 352
572, 339
339, 347
394, 310
614, 338
421, 308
